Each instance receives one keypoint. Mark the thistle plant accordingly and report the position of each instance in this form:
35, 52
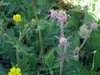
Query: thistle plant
61, 16
85, 34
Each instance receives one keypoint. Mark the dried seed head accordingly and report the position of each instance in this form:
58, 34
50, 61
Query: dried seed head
84, 32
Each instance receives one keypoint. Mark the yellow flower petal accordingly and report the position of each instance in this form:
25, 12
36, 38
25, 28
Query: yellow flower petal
17, 18
14, 71
9, 73
18, 69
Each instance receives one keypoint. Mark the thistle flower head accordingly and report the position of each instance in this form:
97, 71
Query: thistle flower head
93, 25
14, 71
60, 15
63, 42
53, 13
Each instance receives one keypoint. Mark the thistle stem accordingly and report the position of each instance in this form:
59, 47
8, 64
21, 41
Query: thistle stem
61, 67
61, 30
77, 49
62, 49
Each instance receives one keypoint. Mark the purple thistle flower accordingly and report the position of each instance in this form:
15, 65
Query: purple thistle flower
63, 42
93, 25
54, 13
60, 15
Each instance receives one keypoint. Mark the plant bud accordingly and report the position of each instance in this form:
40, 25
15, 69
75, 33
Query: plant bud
84, 31
63, 41
93, 25
76, 57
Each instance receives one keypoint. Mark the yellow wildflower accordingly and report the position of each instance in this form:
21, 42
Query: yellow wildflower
17, 18
14, 71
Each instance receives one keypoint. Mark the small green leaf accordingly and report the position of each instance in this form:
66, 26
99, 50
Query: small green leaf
78, 65
76, 73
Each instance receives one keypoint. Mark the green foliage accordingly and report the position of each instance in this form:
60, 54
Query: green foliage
34, 37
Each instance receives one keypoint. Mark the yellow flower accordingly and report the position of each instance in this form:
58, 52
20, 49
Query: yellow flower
17, 18
15, 71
